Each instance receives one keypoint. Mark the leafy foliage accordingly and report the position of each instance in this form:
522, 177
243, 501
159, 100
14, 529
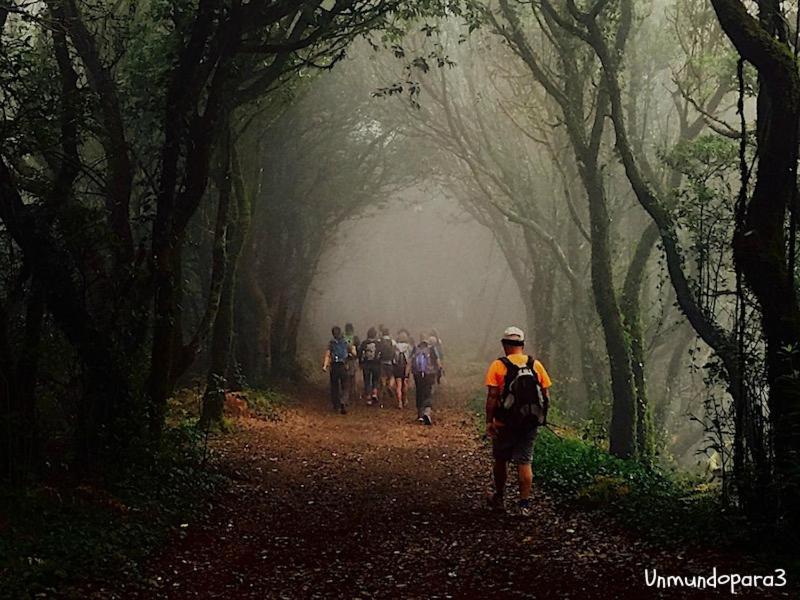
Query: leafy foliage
54, 535
665, 505
668, 506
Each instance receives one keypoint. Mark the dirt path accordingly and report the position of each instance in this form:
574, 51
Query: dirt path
374, 505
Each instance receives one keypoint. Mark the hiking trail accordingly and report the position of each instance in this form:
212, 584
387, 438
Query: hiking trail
374, 505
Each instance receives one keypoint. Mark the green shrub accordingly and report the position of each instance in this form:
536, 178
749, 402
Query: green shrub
666, 505
53, 536
265, 402
669, 506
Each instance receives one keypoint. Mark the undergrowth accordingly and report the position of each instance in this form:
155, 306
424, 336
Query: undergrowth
661, 504
266, 403
56, 535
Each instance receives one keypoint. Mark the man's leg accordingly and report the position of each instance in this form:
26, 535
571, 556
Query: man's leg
427, 403
344, 388
334, 388
398, 387
351, 382
372, 387
418, 394
525, 480
500, 476
388, 386
369, 387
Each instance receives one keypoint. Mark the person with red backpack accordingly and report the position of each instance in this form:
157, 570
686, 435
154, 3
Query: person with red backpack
424, 367
517, 402
335, 362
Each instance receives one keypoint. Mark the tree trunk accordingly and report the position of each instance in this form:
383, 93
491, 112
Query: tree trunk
164, 326
759, 240
631, 310
221, 345
623, 407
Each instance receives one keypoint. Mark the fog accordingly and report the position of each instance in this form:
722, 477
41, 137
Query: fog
417, 263
451, 166
471, 215
193, 193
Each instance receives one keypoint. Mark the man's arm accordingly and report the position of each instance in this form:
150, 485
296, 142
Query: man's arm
492, 402
546, 404
326, 361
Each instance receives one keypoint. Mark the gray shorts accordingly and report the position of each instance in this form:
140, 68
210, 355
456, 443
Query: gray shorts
514, 446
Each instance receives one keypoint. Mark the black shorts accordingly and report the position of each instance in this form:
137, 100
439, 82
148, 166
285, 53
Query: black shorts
514, 446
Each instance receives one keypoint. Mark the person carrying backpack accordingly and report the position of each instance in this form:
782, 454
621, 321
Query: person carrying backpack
387, 350
438, 347
424, 368
335, 362
352, 361
517, 402
402, 366
370, 361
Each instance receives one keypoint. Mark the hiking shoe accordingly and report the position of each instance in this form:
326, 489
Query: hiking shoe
426, 419
343, 410
496, 503
525, 509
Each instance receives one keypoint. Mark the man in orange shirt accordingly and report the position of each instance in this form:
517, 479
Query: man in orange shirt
516, 406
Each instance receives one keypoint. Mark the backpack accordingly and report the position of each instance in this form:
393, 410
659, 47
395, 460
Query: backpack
369, 351
339, 350
386, 350
422, 363
351, 342
522, 404
401, 357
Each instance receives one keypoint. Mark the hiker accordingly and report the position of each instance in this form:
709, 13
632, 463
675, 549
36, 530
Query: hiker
335, 362
387, 349
352, 361
439, 349
516, 406
370, 365
402, 366
423, 367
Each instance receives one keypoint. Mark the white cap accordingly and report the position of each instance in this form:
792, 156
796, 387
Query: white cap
513, 334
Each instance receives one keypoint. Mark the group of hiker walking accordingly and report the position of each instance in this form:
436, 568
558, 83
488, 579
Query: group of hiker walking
387, 364
517, 400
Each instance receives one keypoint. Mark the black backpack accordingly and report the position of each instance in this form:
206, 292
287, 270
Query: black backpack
369, 350
401, 356
386, 350
522, 402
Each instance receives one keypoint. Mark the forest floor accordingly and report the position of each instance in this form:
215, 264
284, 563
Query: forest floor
374, 505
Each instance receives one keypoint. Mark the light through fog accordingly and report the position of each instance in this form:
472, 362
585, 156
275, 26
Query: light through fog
417, 263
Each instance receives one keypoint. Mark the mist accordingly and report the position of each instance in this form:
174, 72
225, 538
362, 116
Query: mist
585, 212
419, 264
